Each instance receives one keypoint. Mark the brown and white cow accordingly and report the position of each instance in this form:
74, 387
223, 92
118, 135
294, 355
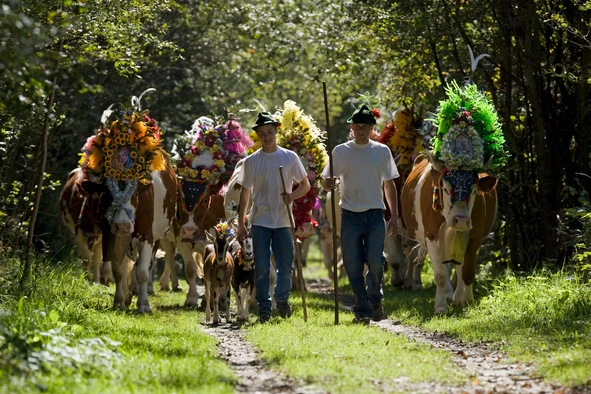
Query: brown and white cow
449, 212
132, 217
77, 211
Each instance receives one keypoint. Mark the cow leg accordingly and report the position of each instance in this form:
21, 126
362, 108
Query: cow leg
96, 261
121, 288
441, 273
460, 294
191, 274
87, 257
169, 273
151, 273
142, 272
107, 273
395, 256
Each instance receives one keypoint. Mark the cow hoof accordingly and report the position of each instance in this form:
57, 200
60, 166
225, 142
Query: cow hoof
440, 311
144, 309
191, 303
417, 287
164, 288
119, 306
177, 289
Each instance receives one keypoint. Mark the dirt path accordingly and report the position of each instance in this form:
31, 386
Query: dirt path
253, 374
490, 370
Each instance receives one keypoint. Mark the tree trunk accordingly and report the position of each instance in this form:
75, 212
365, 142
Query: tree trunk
26, 276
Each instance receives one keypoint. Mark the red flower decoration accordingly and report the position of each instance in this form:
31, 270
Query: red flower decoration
376, 113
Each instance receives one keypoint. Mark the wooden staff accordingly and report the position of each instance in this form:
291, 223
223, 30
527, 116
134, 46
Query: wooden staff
296, 250
333, 210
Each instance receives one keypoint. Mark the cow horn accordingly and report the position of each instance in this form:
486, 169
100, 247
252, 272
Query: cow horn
435, 162
489, 162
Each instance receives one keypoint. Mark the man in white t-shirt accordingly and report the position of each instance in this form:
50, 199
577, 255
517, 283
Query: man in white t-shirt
271, 226
364, 168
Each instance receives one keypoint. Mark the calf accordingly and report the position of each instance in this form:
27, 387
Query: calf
218, 267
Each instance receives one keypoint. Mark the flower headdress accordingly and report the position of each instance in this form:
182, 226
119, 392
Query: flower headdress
126, 148
402, 136
224, 230
468, 134
209, 154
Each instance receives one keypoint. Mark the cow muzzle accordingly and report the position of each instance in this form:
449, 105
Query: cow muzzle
461, 223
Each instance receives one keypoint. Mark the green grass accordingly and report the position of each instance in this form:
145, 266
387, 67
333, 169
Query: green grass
544, 318
347, 358
66, 339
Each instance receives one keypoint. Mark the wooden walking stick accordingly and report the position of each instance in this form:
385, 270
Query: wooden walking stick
296, 250
333, 210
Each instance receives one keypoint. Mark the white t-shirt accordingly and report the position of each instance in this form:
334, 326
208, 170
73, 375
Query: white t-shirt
260, 174
362, 169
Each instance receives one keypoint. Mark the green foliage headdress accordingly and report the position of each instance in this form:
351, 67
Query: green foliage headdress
469, 134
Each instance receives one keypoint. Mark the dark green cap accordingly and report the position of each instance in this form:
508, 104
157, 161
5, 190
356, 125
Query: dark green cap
265, 118
362, 115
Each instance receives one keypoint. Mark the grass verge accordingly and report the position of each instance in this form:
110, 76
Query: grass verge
65, 338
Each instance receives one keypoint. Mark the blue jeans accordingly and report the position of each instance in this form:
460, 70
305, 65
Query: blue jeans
362, 242
280, 240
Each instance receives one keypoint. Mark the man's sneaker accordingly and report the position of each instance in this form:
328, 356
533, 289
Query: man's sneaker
377, 312
361, 320
264, 318
284, 309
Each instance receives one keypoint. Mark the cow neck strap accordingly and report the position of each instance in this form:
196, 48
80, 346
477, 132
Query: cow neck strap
120, 198
438, 196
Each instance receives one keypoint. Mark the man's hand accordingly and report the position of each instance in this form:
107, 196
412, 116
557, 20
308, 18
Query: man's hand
329, 184
287, 198
392, 227
242, 233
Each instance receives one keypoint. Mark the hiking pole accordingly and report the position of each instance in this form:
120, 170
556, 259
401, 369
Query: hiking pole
296, 250
333, 210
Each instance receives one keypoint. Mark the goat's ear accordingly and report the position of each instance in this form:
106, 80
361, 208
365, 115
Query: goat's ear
208, 235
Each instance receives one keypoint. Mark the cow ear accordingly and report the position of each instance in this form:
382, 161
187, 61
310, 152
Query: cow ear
487, 183
92, 188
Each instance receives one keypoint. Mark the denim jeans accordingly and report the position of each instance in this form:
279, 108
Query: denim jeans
280, 241
362, 242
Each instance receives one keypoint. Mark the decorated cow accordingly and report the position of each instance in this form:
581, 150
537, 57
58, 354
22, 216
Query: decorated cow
206, 157
449, 201
127, 170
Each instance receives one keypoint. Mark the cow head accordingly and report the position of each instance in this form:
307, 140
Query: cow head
221, 236
119, 200
192, 210
455, 190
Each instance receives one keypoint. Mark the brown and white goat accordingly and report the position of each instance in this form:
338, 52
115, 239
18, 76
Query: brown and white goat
218, 267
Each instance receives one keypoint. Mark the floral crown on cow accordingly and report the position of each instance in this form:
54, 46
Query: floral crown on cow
469, 135
126, 147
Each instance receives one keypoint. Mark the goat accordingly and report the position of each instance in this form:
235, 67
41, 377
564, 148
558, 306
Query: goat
217, 269
243, 277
